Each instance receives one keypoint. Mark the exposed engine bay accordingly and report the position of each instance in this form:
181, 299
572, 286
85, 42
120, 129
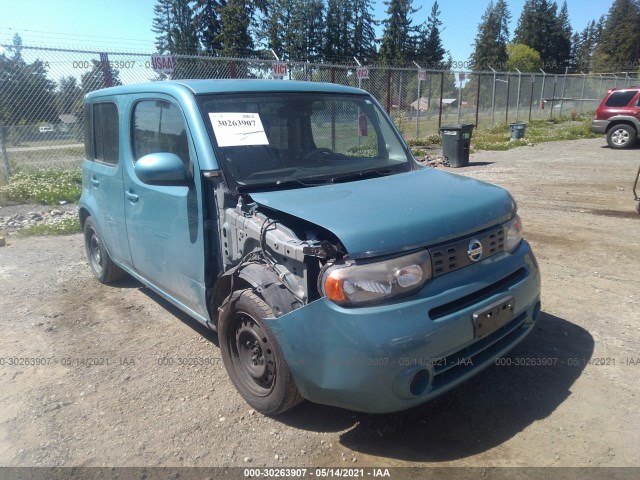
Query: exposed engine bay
295, 250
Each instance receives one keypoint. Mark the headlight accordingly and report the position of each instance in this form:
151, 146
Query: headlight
512, 234
353, 284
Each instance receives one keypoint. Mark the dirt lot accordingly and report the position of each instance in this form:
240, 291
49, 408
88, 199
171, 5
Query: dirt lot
128, 408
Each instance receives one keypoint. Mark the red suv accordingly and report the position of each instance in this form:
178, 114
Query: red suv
618, 115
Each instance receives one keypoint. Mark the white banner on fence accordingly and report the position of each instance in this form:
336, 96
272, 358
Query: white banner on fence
279, 70
362, 73
162, 63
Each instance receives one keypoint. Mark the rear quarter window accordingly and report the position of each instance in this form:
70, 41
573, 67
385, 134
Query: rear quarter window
102, 128
620, 99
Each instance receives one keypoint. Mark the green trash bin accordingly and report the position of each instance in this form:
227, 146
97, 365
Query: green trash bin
456, 141
517, 130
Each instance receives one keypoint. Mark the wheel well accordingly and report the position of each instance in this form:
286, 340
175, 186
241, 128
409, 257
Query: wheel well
84, 213
260, 278
621, 122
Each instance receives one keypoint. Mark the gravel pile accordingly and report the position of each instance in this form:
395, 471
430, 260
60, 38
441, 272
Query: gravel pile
17, 217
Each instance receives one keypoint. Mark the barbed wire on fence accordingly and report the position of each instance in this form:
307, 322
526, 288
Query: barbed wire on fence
42, 90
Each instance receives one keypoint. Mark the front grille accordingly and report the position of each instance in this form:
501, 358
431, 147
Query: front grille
455, 255
501, 286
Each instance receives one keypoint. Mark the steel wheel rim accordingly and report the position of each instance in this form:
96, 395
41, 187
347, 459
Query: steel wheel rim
252, 355
95, 252
620, 137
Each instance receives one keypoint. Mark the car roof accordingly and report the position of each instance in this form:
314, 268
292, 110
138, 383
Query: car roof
200, 87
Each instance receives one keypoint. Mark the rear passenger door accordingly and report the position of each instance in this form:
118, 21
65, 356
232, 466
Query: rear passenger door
164, 223
104, 174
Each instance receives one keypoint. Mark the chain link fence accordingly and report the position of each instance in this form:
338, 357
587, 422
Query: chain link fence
42, 89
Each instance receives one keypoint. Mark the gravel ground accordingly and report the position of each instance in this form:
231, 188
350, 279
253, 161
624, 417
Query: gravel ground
569, 396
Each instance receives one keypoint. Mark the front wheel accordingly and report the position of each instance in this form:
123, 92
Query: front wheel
252, 356
621, 136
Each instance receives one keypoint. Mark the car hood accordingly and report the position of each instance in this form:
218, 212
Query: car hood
398, 212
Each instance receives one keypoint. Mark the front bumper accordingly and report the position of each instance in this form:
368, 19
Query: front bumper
394, 356
599, 126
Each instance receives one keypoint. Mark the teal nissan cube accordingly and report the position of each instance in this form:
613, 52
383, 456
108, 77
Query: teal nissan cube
292, 219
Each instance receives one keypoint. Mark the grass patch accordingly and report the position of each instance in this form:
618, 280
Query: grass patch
47, 186
537, 131
66, 226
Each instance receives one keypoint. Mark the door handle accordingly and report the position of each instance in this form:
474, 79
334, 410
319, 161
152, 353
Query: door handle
95, 182
132, 197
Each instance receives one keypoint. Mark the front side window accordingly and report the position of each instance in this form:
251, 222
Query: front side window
620, 99
276, 139
158, 127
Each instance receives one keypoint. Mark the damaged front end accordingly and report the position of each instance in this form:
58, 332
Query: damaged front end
279, 256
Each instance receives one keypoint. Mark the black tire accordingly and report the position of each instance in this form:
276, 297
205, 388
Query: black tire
638, 206
100, 262
621, 136
252, 356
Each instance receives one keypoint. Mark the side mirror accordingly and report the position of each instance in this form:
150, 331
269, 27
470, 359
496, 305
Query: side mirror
161, 169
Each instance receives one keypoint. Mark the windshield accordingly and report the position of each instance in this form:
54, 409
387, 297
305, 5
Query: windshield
279, 139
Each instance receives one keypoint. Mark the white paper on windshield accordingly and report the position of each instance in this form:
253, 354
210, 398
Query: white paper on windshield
235, 129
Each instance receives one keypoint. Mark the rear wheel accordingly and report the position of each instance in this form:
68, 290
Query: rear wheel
252, 356
100, 262
621, 136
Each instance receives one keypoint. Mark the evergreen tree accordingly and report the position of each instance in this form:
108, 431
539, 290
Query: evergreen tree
235, 34
332, 49
363, 31
547, 31
207, 22
338, 43
69, 95
31, 98
561, 39
430, 52
95, 78
618, 48
584, 46
184, 37
162, 24
490, 46
397, 39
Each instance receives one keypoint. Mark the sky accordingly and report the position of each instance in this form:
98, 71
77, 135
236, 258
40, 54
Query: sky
125, 25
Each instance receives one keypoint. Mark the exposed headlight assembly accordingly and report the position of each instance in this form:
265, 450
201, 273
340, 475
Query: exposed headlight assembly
512, 234
353, 284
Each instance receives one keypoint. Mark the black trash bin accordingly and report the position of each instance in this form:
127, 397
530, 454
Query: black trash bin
456, 141
517, 130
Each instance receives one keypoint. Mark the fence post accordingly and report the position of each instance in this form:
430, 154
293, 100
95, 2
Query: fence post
388, 91
441, 95
533, 81
478, 98
544, 78
518, 98
3, 145
493, 99
600, 87
333, 112
418, 108
459, 95
584, 82
564, 84
553, 96
506, 111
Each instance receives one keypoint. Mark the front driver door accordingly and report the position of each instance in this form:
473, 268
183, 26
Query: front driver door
164, 223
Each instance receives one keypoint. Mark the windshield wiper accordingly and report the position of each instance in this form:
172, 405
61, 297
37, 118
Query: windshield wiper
294, 182
371, 173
